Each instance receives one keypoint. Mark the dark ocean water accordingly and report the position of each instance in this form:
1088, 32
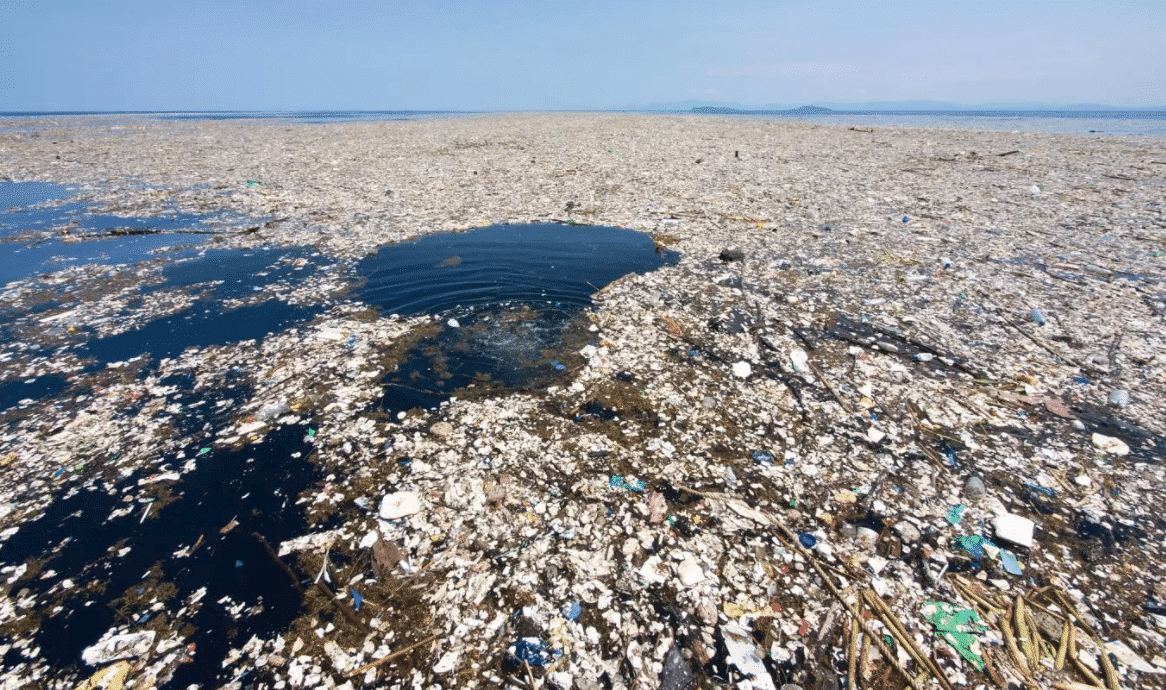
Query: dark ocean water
1125, 122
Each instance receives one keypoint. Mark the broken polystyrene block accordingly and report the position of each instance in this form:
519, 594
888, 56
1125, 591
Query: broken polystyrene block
400, 504
1014, 528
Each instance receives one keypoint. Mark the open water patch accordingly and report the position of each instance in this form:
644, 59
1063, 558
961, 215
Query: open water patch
202, 325
240, 272
39, 236
19, 260
15, 195
13, 392
190, 553
510, 298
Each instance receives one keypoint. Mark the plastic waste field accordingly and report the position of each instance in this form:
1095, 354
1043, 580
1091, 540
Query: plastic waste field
168, 543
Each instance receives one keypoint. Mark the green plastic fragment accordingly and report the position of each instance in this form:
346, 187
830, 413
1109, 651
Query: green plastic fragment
973, 544
955, 514
959, 628
203, 451
311, 433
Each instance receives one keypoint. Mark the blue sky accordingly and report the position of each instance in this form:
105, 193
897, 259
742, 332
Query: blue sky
563, 54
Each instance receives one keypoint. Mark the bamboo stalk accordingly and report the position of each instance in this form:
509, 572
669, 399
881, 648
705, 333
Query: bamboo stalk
790, 540
1042, 648
863, 653
1022, 632
911, 646
1106, 664
1010, 641
852, 654
990, 668
1063, 648
974, 597
1088, 673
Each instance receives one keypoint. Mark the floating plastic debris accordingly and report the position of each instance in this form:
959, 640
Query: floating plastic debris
631, 484
533, 651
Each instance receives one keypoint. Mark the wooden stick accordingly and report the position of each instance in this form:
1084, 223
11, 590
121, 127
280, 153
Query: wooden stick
830, 387
789, 539
894, 622
1051, 351
892, 660
852, 653
529, 674
275, 557
389, 657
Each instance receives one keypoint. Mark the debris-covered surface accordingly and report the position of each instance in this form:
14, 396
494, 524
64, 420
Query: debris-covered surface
897, 410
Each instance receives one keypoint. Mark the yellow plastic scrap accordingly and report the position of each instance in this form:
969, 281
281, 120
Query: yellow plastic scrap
110, 678
734, 610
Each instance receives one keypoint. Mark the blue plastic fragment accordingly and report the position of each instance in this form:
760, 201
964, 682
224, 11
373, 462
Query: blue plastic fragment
973, 544
1037, 317
357, 598
559, 366
762, 457
533, 651
631, 483
1008, 560
1042, 489
572, 610
906, 219
1081, 380
807, 540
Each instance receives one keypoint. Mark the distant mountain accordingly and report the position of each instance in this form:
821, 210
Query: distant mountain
686, 106
811, 110
722, 108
